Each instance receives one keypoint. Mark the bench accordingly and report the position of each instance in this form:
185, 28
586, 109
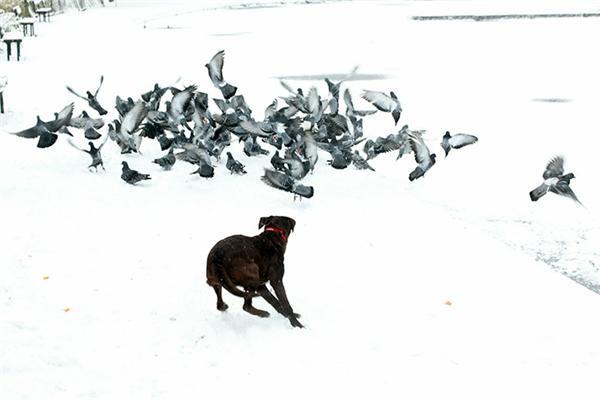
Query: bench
28, 25
13, 37
44, 13
3, 82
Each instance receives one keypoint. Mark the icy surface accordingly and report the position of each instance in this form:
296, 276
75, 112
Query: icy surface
440, 288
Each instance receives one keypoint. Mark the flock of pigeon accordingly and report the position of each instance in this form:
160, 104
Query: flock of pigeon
188, 131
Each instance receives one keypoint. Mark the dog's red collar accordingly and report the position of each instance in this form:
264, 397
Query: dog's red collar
277, 230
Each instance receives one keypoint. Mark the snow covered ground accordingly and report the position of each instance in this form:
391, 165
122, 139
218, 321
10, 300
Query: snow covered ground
439, 288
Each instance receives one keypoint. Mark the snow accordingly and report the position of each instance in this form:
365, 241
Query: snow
440, 288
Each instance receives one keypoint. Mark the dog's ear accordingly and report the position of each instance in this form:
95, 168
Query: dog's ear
263, 221
292, 224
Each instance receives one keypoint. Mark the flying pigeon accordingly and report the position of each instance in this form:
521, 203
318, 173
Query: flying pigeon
92, 98
384, 103
457, 141
423, 157
94, 152
555, 181
46, 132
215, 72
285, 182
131, 176
359, 162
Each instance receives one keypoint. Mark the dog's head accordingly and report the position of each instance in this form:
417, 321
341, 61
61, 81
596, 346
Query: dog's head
285, 223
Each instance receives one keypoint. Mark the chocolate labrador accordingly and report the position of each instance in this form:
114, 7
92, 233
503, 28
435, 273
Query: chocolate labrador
251, 262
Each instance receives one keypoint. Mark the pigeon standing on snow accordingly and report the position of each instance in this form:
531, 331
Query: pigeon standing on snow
92, 98
457, 141
555, 181
423, 157
233, 165
215, 72
132, 176
384, 103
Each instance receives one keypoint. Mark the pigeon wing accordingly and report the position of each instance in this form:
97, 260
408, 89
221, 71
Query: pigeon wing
380, 100
215, 68
555, 168
420, 149
461, 140
99, 86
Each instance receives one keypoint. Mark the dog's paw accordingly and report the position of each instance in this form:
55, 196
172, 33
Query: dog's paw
222, 307
295, 323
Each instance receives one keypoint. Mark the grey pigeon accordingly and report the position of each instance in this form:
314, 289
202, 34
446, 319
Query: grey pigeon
215, 72
167, 161
132, 176
384, 103
251, 148
205, 171
131, 123
93, 152
88, 125
284, 182
555, 181
457, 141
359, 162
277, 162
92, 99
350, 111
233, 165
425, 160
46, 132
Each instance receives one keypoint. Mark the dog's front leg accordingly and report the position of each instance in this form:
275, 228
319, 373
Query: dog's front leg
272, 300
285, 304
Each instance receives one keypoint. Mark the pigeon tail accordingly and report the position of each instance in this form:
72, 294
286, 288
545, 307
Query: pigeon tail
228, 91
538, 192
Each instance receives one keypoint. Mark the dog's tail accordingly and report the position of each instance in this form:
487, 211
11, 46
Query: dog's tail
231, 287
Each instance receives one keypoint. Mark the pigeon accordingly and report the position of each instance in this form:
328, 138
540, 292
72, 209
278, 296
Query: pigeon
359, 162
205, 171
89, 125
131, 123
350, 111
233, 165
215, 72
179, 104
167, 161
284, 182
384, 103
92, 98
131, 176
457, 141
251, 148
555, 181
277, 162
310, 149
46, 132
122, 106
423, 157
94, 152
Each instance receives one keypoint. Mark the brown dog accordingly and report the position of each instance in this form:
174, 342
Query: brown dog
251, 262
